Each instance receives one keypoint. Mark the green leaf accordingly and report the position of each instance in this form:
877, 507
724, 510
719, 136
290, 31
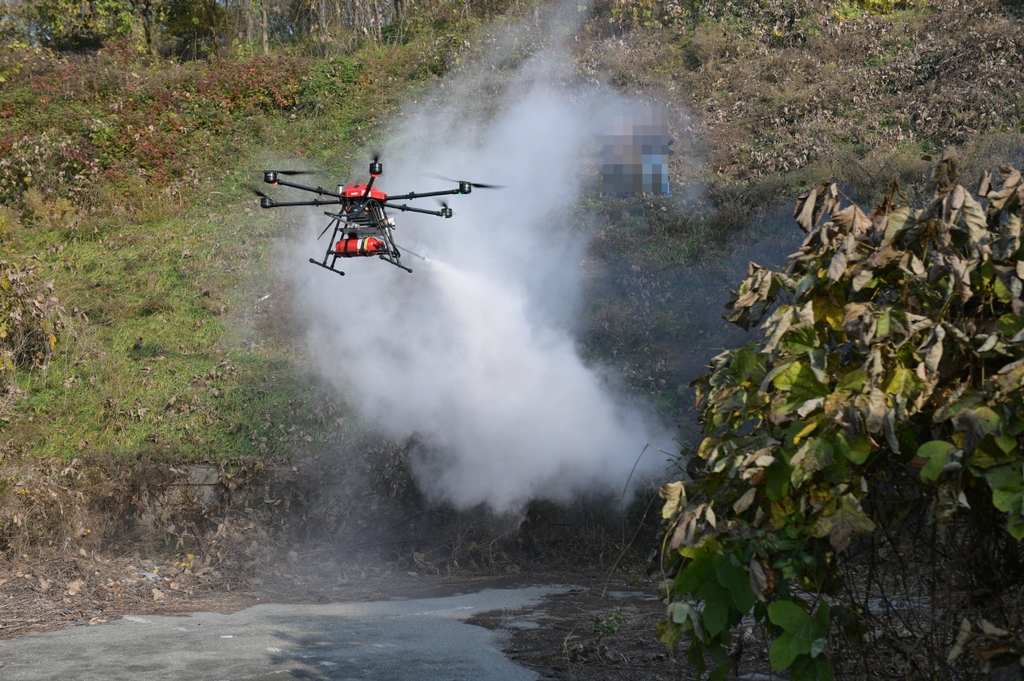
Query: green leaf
853, 380
899, 382
1010, 324
856, 451
743, 365
736, 580
669, 633
798, 341
1015, 523
806, 385
1007, 499
778, 369
777, 480
716, 606
785, 379
1006, 478
700, 570
989, 453
884, 324
785, 649
788, 615
807, 668
988, 419
718, 653
936, 452
823, 670
1003, 294
821, 622
720, 674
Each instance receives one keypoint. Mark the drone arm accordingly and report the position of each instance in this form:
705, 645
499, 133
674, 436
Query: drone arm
444, 213
316, 190
413, 195
267, 202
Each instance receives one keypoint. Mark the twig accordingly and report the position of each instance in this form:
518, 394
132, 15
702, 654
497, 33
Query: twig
626, 546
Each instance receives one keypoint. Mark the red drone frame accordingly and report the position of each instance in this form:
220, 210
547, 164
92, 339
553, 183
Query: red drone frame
361, 227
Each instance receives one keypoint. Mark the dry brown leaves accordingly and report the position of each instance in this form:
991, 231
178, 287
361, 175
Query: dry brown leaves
48, 591
786, 85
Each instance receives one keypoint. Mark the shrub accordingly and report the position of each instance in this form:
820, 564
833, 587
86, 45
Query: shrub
889, 377
30, 315
328, 82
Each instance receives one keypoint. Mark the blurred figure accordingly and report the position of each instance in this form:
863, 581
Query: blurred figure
636, 151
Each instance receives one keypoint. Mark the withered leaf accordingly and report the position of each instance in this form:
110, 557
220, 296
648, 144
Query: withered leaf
947, 170
811, 205
837, 267
986, 183
848, 521
852, 219
674, 494
964, 637
762, 579
744, 502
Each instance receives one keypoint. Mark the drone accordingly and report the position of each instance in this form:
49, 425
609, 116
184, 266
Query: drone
361, 226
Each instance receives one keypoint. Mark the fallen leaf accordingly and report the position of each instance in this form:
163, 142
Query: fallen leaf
762, 579
159, 595
962, 639
990, 629
75, 586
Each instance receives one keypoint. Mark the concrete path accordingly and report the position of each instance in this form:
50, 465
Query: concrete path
421, 639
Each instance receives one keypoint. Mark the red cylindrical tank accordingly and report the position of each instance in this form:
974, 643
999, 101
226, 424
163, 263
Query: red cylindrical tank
352, 248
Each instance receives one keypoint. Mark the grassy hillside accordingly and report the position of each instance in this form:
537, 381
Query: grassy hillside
126, 178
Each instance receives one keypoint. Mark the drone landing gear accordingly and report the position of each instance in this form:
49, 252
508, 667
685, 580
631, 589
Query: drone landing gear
396, 264
320, 264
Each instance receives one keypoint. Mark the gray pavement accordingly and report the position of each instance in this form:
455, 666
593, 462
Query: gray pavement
424, 639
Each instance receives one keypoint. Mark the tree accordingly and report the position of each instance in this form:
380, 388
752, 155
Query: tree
891, 368
199, 27
71, 26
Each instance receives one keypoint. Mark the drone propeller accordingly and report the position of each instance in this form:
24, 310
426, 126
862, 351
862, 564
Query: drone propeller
279, 172
446, 212
476, 185
270, 176
265, 201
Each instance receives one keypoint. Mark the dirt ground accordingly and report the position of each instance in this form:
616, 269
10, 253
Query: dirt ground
598, 629
590, 632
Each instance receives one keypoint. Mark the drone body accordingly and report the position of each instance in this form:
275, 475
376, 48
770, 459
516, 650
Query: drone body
361, 226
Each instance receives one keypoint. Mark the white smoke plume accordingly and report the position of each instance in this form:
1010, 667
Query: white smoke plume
472, 353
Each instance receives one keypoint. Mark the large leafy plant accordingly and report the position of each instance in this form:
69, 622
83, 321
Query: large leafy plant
892, 360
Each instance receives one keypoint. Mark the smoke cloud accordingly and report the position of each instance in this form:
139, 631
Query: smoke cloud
473, 353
